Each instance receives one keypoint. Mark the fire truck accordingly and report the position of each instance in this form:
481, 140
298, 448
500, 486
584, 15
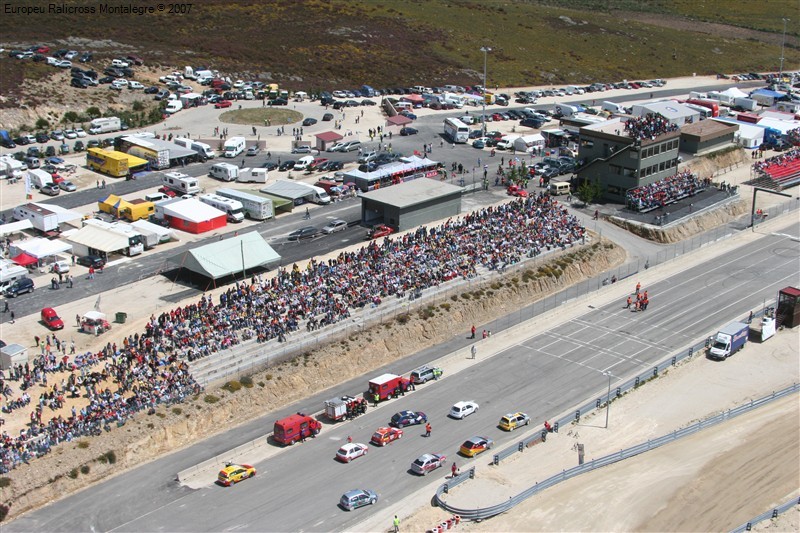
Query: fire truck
387, 386
294, 428
346, 407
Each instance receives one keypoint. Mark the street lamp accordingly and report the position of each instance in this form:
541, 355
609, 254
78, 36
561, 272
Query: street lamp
783, 43
608, 396
486, 50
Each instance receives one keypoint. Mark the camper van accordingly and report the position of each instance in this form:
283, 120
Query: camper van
613, 107
202, 149
233, 208
181, 183
39, 178
234, 146
224, 171
253, 175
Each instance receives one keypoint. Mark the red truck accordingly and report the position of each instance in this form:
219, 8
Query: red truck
294, 428
387, 386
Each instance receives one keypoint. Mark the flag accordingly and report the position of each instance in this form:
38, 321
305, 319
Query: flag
97, 303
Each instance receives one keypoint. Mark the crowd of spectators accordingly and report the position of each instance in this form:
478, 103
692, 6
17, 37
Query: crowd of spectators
648, 126
151, 368
782, 159
665, 191
793, 136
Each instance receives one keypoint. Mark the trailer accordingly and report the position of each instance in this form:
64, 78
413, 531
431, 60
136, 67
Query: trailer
253, 175
345, 408
255, 207
41, 218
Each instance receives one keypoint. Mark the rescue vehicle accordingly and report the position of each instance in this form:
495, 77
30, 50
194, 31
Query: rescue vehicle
293, 428
387, 386
346, 407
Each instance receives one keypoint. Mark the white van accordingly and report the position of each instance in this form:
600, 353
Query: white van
234, 146
156, 197
181, 183
202, 149
173, 107
613, 107
224, 171
320, 196
404, 106
558, 188
304, 162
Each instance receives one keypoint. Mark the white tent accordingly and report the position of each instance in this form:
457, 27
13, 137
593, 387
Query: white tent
734, 92
528, 143
40, 248
15, 227
99, 239
228, 256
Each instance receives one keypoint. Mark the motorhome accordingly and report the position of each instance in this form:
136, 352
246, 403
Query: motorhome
202, 149
39, 178
224, 171
234, 146
181, 183
255, 206
613, 107
232, 208
105, 125
253, 175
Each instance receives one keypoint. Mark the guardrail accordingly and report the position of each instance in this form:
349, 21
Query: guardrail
229, 456
600, 402
767, 515
487, 512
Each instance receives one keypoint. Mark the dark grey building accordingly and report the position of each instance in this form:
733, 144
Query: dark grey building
707, 136
620, 161
410, 204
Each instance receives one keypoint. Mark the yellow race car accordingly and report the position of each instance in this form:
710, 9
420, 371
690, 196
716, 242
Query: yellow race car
235, 473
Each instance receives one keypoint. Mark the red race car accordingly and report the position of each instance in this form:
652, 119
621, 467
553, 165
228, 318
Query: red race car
516, 190
223, 103
381, 230
384, 436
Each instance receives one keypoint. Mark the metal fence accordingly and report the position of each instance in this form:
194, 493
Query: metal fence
487, 512
251, 356
767, 515
616, 392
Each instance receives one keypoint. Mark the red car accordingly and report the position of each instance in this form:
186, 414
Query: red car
381, 230
317, 162
51, 319
57, 178
516, 190
384, 436
168, 192
223, 103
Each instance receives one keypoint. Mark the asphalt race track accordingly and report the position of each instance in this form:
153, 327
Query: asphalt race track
299, 487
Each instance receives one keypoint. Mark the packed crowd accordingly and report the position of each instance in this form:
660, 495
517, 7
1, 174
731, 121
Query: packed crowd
781, 160
665, 191
150, 368
648, 126
793, 136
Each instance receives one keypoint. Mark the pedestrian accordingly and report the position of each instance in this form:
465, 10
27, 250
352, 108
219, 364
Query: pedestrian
5, 307
484, 334
72, 346
78, 320
628, 303
473, 351
638, 286
473, 332
12, 317
375, 399
308, 214
37, 339
453, 470
91, 272
349, 439
69, 281
396, 524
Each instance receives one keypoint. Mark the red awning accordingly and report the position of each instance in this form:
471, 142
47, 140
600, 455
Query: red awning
398, 120
24, 259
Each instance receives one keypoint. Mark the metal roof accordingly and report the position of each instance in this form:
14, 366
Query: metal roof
288, 189
412, 192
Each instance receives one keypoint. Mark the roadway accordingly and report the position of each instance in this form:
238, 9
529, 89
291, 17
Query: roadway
544, 375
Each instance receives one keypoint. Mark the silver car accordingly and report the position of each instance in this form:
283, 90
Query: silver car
333, 226
354, 499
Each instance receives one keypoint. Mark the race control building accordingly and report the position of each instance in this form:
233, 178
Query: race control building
410, 204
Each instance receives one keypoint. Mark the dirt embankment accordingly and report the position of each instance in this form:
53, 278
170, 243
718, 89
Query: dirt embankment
705, 167
147, 437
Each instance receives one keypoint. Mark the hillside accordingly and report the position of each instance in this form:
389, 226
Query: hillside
318, 44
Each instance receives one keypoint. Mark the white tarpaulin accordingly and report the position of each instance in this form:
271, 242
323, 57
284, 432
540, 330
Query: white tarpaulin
15, 227
64, 215
40, 248
99, 239
734, 92
164, 234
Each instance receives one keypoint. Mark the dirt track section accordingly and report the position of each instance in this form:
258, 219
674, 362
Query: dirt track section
712, 28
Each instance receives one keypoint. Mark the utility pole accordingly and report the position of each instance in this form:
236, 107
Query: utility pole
486, 50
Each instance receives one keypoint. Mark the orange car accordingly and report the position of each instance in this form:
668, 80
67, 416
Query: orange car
384, 436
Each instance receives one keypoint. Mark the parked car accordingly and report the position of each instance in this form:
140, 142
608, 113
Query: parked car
350, 451
333, 226
408, 131
253, 150
309, 121
50, 190
51, 319
67, 186
94, 261
301, 150
327, 117
288, 164
20, 286
381, 230
463, 409
353, 499
306, 232
427, 463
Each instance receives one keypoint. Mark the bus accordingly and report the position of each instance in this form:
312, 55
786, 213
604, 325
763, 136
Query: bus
457, 131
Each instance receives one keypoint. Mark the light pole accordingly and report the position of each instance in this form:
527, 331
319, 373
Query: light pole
486, 50
783, 43
608, 396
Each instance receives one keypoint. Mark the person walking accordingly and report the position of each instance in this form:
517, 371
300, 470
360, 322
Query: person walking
473, 351
628, 304
428, 429
453, 470
12, 317
396, 524
375, 399
473, 332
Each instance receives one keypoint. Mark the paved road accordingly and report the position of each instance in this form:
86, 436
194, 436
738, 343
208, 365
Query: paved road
298, 488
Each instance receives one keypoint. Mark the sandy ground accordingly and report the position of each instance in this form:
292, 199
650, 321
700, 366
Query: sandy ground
712, 481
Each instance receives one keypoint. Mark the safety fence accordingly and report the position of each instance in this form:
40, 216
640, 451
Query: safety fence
614, 393
487, 512
250, 356
767, 515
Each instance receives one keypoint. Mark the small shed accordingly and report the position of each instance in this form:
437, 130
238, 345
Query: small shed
411, 204
326, 139
192, 215
13, 355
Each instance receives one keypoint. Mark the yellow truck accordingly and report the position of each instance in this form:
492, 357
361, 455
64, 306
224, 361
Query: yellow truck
132, 210
108, 162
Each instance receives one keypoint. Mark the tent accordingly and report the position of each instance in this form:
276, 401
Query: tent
92, 237
40, 248
398, 120
15, 227
24, 259
228, 256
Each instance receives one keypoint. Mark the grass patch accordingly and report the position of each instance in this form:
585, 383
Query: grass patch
210, 398
177, 410
403, 318
259, 116
72, 474
83, 444
85, 469
233, 385
247, 382
445, 306
5, 482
